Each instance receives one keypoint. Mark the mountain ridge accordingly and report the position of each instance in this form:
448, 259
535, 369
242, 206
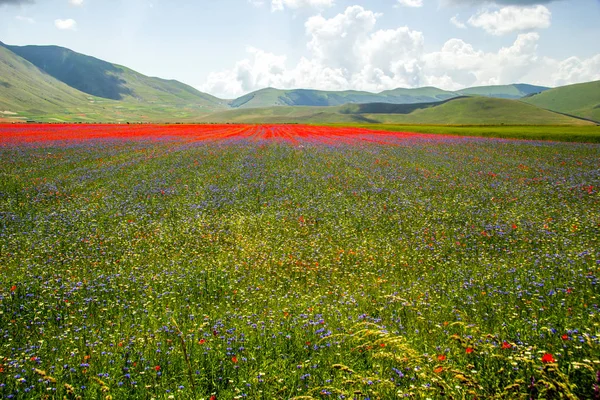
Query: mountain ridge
53, 83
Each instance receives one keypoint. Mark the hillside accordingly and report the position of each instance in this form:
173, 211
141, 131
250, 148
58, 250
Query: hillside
582, 100
515, 91
27, 89
103, 79
459, 111
270, 97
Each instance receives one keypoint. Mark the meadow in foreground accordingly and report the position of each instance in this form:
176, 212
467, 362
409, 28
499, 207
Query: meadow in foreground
280, 262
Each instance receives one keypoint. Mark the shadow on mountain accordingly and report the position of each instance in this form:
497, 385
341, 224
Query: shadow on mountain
388, 108
87, 74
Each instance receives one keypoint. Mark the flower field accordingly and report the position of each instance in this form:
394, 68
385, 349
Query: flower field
287, 261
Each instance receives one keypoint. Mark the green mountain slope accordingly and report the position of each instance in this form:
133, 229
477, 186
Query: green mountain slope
582, 100
515, 91
103, 79
270, 97
24, 88
459, 111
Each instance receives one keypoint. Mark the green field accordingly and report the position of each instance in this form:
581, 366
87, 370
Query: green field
585, 133
432, 268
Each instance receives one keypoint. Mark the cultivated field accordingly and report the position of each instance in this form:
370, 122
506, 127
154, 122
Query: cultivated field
277, 262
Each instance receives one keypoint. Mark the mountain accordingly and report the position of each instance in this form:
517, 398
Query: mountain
306, 97
456, 111
23, 87
50, 83
270, 97
582, 100
515, 91
111, 81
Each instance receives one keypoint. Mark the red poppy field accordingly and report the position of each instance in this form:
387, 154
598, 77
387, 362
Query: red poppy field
289, 261
35, 133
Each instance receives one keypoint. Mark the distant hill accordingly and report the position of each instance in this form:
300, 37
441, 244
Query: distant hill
458, 111
51, 83
103, 79
270, 97
582, 100
515, 91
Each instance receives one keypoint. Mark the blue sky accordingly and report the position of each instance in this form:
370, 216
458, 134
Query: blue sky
231, 47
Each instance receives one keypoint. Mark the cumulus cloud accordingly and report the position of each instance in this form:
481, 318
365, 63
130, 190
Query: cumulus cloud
511, 19
574, 69
278, 5
66, 24
77, 3
410, 3
347, 51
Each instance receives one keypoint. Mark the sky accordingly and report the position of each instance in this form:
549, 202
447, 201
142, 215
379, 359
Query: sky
232, 47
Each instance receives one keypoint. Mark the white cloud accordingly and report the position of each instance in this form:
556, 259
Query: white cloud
278, 5
338, 41
511, 19
454, 20
348, 52
65, 24
25, 19
77, 3
410, 3
574, 70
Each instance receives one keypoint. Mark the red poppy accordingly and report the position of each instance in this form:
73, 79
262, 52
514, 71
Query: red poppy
13, 288
469, 350
506, 345
234, 359
438, 370
441, 357
514, 226
213, 397
548, 358
201, 341
382, 345
157, 368
565, 337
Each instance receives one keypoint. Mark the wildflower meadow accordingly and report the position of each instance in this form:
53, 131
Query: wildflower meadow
296, 262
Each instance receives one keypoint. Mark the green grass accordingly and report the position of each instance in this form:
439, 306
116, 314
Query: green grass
106, 80
434, 269
584, 133
464, 111
36, 95
582, 100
